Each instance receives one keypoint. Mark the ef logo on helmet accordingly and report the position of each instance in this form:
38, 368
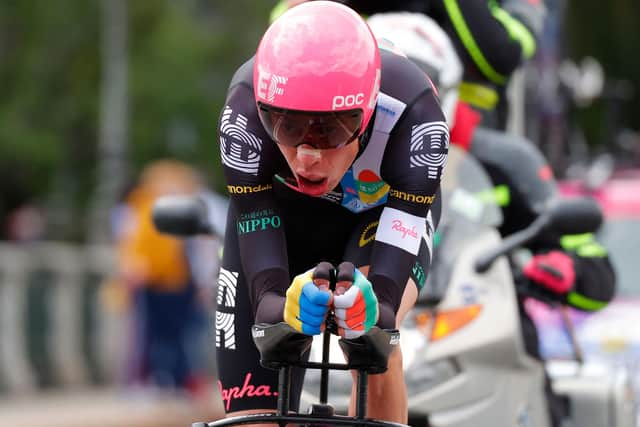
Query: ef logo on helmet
340, 101
270, 85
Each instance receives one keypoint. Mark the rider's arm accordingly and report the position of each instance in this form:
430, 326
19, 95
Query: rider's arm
412, 166
492, 36
250, 159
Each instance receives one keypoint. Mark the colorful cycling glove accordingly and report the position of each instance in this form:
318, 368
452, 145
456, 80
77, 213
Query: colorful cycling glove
355, 303
307, 303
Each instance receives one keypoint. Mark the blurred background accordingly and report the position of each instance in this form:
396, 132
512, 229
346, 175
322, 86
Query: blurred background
107, 104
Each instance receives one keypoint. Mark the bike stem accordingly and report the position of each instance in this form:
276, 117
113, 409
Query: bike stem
326, 346
324, 372
361, 394
362, 386
284, 383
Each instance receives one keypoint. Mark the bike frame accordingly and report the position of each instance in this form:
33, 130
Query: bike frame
366, 355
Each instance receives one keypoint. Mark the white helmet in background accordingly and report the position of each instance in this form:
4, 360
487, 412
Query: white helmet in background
426, 44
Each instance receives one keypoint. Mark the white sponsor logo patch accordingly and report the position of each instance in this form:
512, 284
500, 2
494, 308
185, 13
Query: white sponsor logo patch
239, 148
429, 147
225, 322
270, 85
394, 340
227, 284
225, 330
389, 111
401, 229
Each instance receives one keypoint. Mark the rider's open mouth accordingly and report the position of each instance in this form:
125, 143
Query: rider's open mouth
312, 180
313, 186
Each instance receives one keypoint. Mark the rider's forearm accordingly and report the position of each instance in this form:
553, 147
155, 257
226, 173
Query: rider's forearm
423, 145
260, 231
270, 303
398, 239
254, 213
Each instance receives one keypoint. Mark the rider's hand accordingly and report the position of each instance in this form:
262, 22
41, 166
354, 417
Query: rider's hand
355, 303
308, 300
554, 271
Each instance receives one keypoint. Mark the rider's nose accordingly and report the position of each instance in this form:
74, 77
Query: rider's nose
307, 155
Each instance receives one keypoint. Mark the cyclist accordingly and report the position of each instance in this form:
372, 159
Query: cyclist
333, 149
492, 38
572, 270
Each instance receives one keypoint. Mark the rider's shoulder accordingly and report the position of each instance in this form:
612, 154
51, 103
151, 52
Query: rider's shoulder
244, 74
401, 77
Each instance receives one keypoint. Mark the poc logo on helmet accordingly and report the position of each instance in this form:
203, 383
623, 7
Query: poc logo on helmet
340, 101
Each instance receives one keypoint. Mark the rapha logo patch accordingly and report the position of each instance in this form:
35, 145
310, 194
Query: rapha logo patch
400, 229
247, 390
397, 225
239, 148
429, 147
270, 85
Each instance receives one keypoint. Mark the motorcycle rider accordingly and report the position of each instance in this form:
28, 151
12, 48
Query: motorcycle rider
570, 270
492, 38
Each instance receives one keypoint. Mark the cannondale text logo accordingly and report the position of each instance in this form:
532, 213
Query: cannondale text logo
240, 149
429, 147
270, 85
225, 321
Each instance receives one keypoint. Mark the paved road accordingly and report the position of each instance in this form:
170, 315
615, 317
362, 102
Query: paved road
103, 408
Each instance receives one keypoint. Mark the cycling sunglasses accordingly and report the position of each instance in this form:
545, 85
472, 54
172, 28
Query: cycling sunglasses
320, 130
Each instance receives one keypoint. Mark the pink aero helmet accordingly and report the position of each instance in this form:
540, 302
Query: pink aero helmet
316, 76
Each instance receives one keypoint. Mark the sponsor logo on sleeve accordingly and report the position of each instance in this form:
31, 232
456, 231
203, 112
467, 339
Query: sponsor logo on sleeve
226, 299
418, 274
239, 148
412, 198
258, 221
401, 229
368, 235
247, 189
399, 226
429, 147
389, 110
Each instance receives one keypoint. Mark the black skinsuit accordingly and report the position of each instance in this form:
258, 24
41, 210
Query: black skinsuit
382, 214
